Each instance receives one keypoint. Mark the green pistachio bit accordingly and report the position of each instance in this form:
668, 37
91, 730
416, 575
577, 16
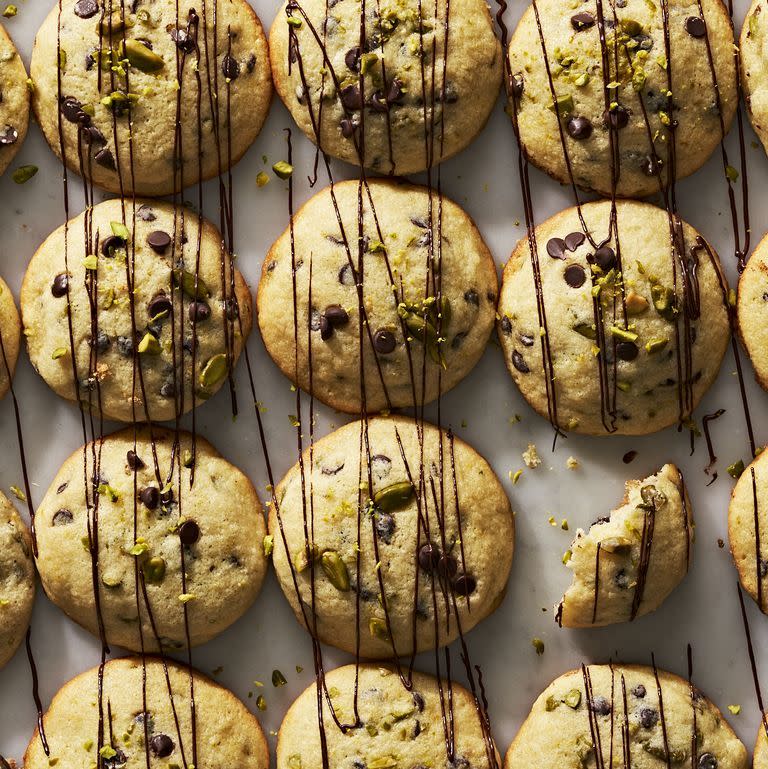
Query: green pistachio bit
652, 497
371, 729
107, 751
294, 21
664, 301
377, 627
587, 330
573, 698
24, 173
551, 704
625, 387
301, 559
10, 10
278, 679
214, 371
269, 545
111, 581
615, 544
262, 179
563, 106
335, 569
119, 230
624, 334
631, 27
141, 57
261, 703
367, 62
538, 644
188, 458
194, 288
145, 17
731, 173
108, 491
62, 59
113, 24
394, 497
736, 469
59, 352
658, 751
282, 169
382, 762
420, 328
91, 262
656, 344
294, 761
443, 316
149, 345
154, 570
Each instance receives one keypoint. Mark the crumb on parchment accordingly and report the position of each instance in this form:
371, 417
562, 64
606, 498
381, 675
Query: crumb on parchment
531, 456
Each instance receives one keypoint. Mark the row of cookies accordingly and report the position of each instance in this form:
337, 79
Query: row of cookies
161, 712
97, 70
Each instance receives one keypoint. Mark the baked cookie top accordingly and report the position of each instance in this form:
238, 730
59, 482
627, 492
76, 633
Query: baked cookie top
378, 97
654, 717
397, 727
580, 104
157, 731
752, 311
760, 760
752, 48
631, 560
127, 73
748, 517
149, 527
17, 579
185, 325
403, 553
620, 338
10, 336
412, 349
14, 105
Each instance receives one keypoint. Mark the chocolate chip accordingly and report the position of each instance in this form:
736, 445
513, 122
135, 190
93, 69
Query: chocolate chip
167, 497
352, 59
618, 117
626, 350
447, 566
651, 166
639, 691
134, 461
348, 126
199, 312
629, 457
326, 329
125, 345
519, 363
86, 8
93, 136
506, 325
377, 102
72, 110
395, 91
695, 27
168, 389
189, 532
574, 275
111, 245
9, 135
464, 584
350, 97
62, 517
471, 297
158, 241
105, 158
59, 285
517, 84
600, 705
574, 239
649, 717
158, 304
230, 67
384, 341
578, 127
162, 745
381, 465
605, 258
150, 497
418, 701
146, 214
429, 557
102, 341
62, 487
707, 761
336, 315
526, 339
250, 65
385, 526
621, 580
583, 20
556, 248
119, 759
184, 41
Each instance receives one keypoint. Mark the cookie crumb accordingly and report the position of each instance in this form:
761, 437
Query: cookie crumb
531, 456
572, 463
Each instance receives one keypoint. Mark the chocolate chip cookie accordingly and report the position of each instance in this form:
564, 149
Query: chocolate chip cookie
14, 106
413, 89
397, 727
10, 337
608, 334
752, 58
652, 718
629, 562
132, 71
157, 321
147, 720
435, 545
752, 311
193, 551
600, 91
415, 344
17, 579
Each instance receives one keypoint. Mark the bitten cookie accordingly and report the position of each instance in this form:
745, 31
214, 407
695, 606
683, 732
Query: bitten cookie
753, 79
408, 99
748, 529
10, 336
152, 731
211, 532
752, 311
412, 349
175, 267
405, 559
606, 339
397, 727
624, 710
567, 108
17, 580
14, 105
760, 760
134, 73
629, 562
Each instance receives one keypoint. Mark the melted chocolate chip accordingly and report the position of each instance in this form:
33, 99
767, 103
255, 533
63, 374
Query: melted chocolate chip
639, 691
519, 363
189, 532
162, 745
384, 341
105, 158
134, 461
583, 20
325, 327
506, 326
230, 67
150, 497
110, 245
352, 59
119, 759
350, 97
651, 166
429, 557
618, 117
158, 241
707, 761
62, 517
517, 84
146, 214
605, 258
649, 717
86, 8
199, 312
418, 701
159, 304
385, 526
471, 297
9, 135
59, 285
348, 126
574, 275
574, 239
73, 111
395, 91
464, 584
626, 350
695, 26
447, 566
556, 248
578, 127
184, 41
600, 705
337, 316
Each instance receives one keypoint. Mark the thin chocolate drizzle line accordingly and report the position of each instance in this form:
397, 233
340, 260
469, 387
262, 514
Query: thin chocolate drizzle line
694, 741
646, 544
663, 720
682, 489
594, 724
752, 661
597, 582
758, 558
708, 437
36, 692
626, 737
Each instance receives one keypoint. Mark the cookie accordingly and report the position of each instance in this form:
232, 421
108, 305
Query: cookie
760, 760
563, 114
748, 518
653, 718
404, 363
752, 58
17, 580
165, 249
397, 727
752, 311
631, 560
227, 733
422, 564
14, 106
614, 339
136, 69
10, 336
408, 98
211, 531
